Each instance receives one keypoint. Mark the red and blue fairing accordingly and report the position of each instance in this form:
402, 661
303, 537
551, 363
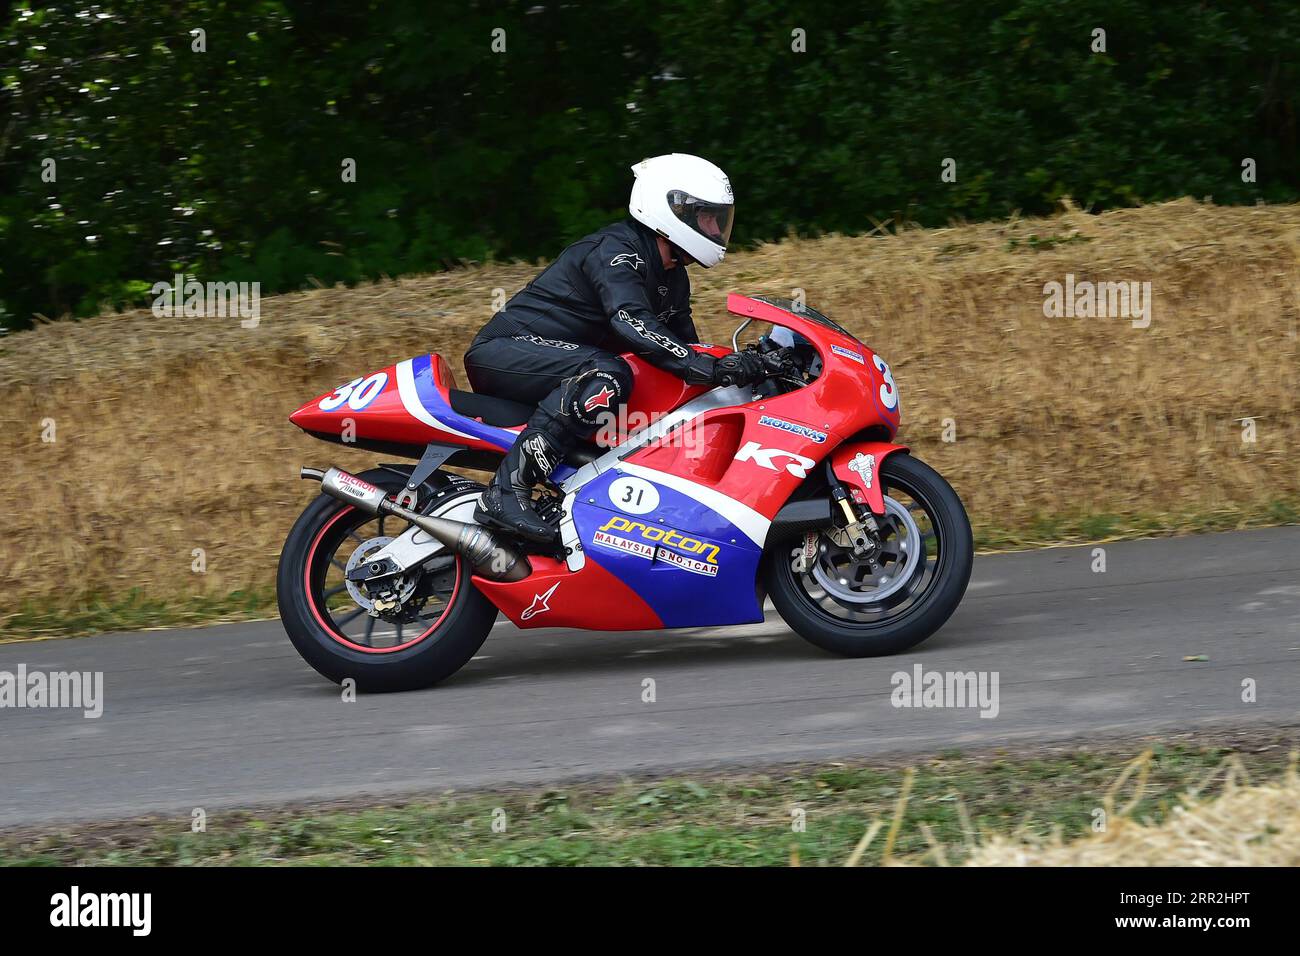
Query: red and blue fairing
690, 559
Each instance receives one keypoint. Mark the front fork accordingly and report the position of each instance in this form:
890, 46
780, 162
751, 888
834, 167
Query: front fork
853, 473
862, 528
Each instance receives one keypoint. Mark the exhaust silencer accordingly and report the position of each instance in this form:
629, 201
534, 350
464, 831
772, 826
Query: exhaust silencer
489, 557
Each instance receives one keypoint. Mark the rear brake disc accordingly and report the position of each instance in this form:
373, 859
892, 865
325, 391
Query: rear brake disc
359, 557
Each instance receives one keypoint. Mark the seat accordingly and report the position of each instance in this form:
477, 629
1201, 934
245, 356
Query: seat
501, 412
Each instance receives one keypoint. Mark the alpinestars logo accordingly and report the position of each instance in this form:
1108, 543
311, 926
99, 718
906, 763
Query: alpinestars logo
549, 343
627, 259
540, 605
600, 400
655, 338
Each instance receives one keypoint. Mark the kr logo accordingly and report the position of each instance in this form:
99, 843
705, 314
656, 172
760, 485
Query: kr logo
627, 258
600, 399
798, 465
539, 605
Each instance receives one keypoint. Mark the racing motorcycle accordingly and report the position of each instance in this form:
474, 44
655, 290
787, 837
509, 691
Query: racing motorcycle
705, 501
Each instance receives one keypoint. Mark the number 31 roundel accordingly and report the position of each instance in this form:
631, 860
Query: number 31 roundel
633, 495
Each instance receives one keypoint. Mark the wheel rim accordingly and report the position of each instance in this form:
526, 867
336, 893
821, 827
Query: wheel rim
347, 537
850, 590
852, 580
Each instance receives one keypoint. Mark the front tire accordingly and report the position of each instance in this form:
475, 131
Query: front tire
339, 638
859, 611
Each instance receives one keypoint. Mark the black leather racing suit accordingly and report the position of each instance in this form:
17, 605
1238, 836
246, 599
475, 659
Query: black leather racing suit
555, 342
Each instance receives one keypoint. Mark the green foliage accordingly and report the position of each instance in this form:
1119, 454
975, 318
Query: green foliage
227, 163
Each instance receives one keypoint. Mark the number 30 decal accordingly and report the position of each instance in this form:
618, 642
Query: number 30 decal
358, 393
888, 391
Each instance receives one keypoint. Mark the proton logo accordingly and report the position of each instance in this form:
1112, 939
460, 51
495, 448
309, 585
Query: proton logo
865, 466
539, 605
763, 457
627, 258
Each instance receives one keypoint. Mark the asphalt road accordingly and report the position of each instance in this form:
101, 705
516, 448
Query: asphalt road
226, 716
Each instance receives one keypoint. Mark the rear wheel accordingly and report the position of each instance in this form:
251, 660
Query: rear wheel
442, 620
895, 595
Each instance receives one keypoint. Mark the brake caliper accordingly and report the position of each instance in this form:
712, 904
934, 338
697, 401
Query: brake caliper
804, 555
864, 532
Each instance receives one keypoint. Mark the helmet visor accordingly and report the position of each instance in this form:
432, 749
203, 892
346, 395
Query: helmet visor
710, 219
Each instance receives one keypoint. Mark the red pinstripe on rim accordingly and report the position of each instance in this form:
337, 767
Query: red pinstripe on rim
328, 625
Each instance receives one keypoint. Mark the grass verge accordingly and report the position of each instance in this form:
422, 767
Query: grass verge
954, 801
134, 612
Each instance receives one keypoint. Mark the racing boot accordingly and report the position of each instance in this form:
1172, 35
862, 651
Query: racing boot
508, 500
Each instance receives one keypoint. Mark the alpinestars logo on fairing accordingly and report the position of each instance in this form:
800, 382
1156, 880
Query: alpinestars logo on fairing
541, 603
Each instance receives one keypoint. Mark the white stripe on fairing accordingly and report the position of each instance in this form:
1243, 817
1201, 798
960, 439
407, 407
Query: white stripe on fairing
411, 400
750, 522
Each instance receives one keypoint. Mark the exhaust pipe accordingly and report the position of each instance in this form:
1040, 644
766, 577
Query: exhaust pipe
490, 558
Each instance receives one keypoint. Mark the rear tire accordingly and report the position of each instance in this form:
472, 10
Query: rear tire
936, 588
306, 613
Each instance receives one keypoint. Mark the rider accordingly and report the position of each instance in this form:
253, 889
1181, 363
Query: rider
622, 289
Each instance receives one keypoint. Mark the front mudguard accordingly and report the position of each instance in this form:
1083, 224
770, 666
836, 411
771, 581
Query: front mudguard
857, 465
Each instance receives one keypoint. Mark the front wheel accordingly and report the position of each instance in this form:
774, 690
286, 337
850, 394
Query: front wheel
895, 595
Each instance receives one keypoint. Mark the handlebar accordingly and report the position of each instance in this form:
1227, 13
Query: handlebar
778, 362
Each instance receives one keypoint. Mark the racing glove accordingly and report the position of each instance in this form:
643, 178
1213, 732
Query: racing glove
739, 368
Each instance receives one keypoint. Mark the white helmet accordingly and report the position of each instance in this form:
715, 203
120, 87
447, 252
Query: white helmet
688, 201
